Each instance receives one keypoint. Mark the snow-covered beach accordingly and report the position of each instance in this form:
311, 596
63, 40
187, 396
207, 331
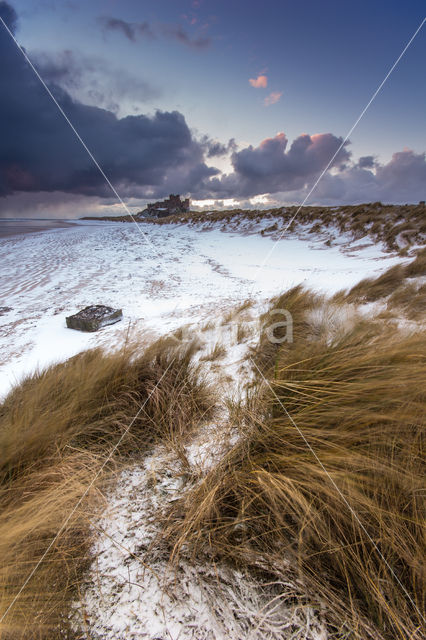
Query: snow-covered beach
212, 321
166, 278
162, 277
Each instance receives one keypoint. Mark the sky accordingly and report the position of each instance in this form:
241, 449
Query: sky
232, 103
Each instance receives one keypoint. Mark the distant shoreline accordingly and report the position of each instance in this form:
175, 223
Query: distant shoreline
18, 226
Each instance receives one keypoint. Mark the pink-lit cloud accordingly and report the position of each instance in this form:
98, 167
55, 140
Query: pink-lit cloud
261, 82
273, 97
275, 166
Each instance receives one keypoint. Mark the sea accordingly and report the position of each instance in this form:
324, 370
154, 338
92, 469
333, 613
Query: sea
17, 226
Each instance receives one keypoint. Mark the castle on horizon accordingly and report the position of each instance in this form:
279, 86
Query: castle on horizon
161, 209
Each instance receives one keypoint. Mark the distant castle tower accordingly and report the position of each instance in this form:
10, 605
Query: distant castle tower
165, 208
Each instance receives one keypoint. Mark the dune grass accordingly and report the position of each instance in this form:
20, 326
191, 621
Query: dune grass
410, 300
323, 488
417, 267
298, 302
217, 352
396, 226
57, 429
372, 289
346, 512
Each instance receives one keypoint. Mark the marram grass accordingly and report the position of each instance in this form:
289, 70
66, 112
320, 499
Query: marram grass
57, 429
345, 512
344, 515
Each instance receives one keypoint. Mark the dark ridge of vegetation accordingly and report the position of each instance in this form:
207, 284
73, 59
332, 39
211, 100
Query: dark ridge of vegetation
391, 224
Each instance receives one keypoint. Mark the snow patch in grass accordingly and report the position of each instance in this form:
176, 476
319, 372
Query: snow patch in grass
133, 592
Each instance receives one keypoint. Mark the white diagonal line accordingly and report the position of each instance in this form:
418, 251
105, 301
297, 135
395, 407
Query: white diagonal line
357, 121
86, 491
349, 506
92, 157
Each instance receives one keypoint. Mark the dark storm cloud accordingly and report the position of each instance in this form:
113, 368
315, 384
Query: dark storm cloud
9, 15
270, 167
131, 30
39, 152
401, 180
367, 162
215, 148
149, 157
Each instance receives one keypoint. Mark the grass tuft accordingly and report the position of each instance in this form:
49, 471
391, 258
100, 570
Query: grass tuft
353, 525
56, 430
216, 353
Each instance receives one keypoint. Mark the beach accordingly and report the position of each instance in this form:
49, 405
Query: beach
18, 226
162, 277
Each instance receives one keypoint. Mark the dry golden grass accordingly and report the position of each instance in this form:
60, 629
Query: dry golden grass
372, 289
351, 526
409, 300
418, 266
243, 332
297, 301
237, 313
216, 353
56, 431
349, 531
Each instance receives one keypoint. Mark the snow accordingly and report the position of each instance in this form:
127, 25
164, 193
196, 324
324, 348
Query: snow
192, 278
187, 278
133, 592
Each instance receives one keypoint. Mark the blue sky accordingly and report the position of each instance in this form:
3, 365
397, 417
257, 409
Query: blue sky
318, 62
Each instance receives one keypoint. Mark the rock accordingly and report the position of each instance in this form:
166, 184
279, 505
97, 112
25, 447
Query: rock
93, 318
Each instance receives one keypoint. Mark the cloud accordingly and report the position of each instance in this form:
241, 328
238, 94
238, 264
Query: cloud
144, 156
148, 157
366, 162
54, 204
131, 30
272, 98
135, 30
215, 148
400, 180
403, 177
290, 171
191, 19
271, 167
91, 80
177, 33
8, 13
261, 82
